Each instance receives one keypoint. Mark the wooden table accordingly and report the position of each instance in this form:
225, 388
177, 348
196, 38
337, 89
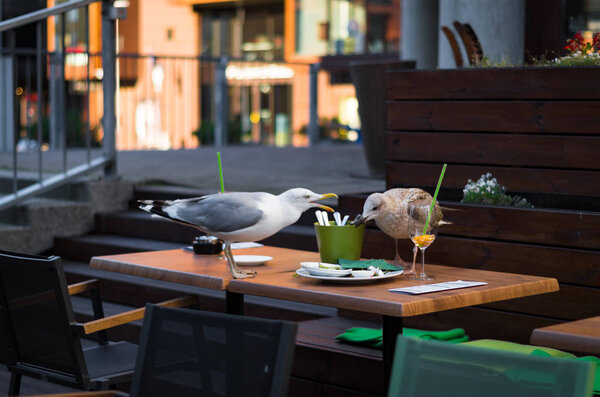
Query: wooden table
580, 336
205, 271
277, 279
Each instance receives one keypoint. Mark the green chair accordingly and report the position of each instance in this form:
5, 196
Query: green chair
424, 368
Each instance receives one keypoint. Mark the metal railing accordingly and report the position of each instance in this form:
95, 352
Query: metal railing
55, 65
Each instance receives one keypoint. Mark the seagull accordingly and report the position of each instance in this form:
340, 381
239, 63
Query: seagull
238, 216
389, 210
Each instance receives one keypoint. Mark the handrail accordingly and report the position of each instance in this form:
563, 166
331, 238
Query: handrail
56, 82
43, 14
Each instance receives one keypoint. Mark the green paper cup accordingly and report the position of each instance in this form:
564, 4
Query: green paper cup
339, 242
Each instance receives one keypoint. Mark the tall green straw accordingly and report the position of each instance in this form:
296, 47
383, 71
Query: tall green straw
221, 172
437, 189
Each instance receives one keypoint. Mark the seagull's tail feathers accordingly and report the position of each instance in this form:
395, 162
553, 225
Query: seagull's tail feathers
154, 206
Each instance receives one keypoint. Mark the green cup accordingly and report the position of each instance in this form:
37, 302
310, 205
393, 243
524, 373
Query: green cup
339, 242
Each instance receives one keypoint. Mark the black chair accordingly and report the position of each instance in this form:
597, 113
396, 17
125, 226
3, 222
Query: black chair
470, 41
195, 353
39, 334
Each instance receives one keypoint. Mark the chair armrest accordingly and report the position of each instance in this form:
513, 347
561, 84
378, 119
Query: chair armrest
126, 317
83, 286
104, 393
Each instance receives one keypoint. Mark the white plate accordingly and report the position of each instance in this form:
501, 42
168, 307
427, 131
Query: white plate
304, 273
251, 260
314, 269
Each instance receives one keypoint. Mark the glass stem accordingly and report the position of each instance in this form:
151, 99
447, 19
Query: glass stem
422, 275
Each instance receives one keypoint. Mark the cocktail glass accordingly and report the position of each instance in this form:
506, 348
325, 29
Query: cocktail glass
422, 231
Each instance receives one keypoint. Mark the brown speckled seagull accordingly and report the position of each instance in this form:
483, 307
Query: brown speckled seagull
389, 210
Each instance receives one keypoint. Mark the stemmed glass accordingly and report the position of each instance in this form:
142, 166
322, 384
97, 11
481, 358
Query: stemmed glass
422, 230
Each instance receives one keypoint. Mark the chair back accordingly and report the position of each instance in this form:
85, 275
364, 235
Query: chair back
428, 368
35, 317
186, 352
470, 41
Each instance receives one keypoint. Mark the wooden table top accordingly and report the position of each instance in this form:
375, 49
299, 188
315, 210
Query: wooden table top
277, 279
374, 296
205, 271
580, 336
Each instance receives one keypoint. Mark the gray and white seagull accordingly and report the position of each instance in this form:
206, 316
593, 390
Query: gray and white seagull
238, 216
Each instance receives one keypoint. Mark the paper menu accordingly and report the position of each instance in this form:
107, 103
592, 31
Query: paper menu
448, 285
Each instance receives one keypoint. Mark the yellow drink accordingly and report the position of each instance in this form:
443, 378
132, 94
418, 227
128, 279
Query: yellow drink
424, 240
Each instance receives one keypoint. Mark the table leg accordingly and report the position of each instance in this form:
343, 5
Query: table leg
234, 303
392, 326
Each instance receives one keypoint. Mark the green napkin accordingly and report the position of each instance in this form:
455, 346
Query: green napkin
373, 337
446, 336
362, 336
364, 264
519, 348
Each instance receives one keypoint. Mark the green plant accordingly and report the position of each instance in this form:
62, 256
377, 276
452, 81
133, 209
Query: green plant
205, 134
76, 130
487, 190
580, 53
486, 62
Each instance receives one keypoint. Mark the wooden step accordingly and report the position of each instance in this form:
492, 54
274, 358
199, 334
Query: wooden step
141, 224
82, 248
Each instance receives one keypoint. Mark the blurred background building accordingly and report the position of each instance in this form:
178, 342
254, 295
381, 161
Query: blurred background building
170, 53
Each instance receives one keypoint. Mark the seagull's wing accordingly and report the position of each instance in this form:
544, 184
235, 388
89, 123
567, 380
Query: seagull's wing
225, 212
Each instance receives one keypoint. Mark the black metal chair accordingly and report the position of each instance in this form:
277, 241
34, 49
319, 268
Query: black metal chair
195, 353
40, 336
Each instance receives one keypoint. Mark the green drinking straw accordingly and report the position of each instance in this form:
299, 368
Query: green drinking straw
437, 189
221, 172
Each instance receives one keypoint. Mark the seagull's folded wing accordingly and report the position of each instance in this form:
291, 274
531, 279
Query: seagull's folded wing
226, 212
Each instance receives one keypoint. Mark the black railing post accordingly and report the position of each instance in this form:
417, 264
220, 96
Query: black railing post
109, 86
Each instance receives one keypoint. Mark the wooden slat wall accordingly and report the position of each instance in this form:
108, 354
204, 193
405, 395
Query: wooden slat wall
538, 132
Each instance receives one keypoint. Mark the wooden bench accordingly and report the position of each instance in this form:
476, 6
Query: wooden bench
326, 367
536, 130
581, 336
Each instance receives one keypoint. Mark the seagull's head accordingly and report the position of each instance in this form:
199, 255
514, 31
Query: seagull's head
304, 199
373, 206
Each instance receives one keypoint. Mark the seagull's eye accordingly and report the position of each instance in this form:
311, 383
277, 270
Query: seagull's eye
374, 208
307, 196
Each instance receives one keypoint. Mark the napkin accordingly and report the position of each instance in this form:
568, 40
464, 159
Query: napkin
373, 337
364, 264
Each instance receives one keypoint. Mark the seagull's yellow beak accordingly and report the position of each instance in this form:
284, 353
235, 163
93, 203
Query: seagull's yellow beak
324, 196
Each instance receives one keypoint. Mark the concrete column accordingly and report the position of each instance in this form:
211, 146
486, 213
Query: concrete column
220, 101
499, 25
419, 39
313, 123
